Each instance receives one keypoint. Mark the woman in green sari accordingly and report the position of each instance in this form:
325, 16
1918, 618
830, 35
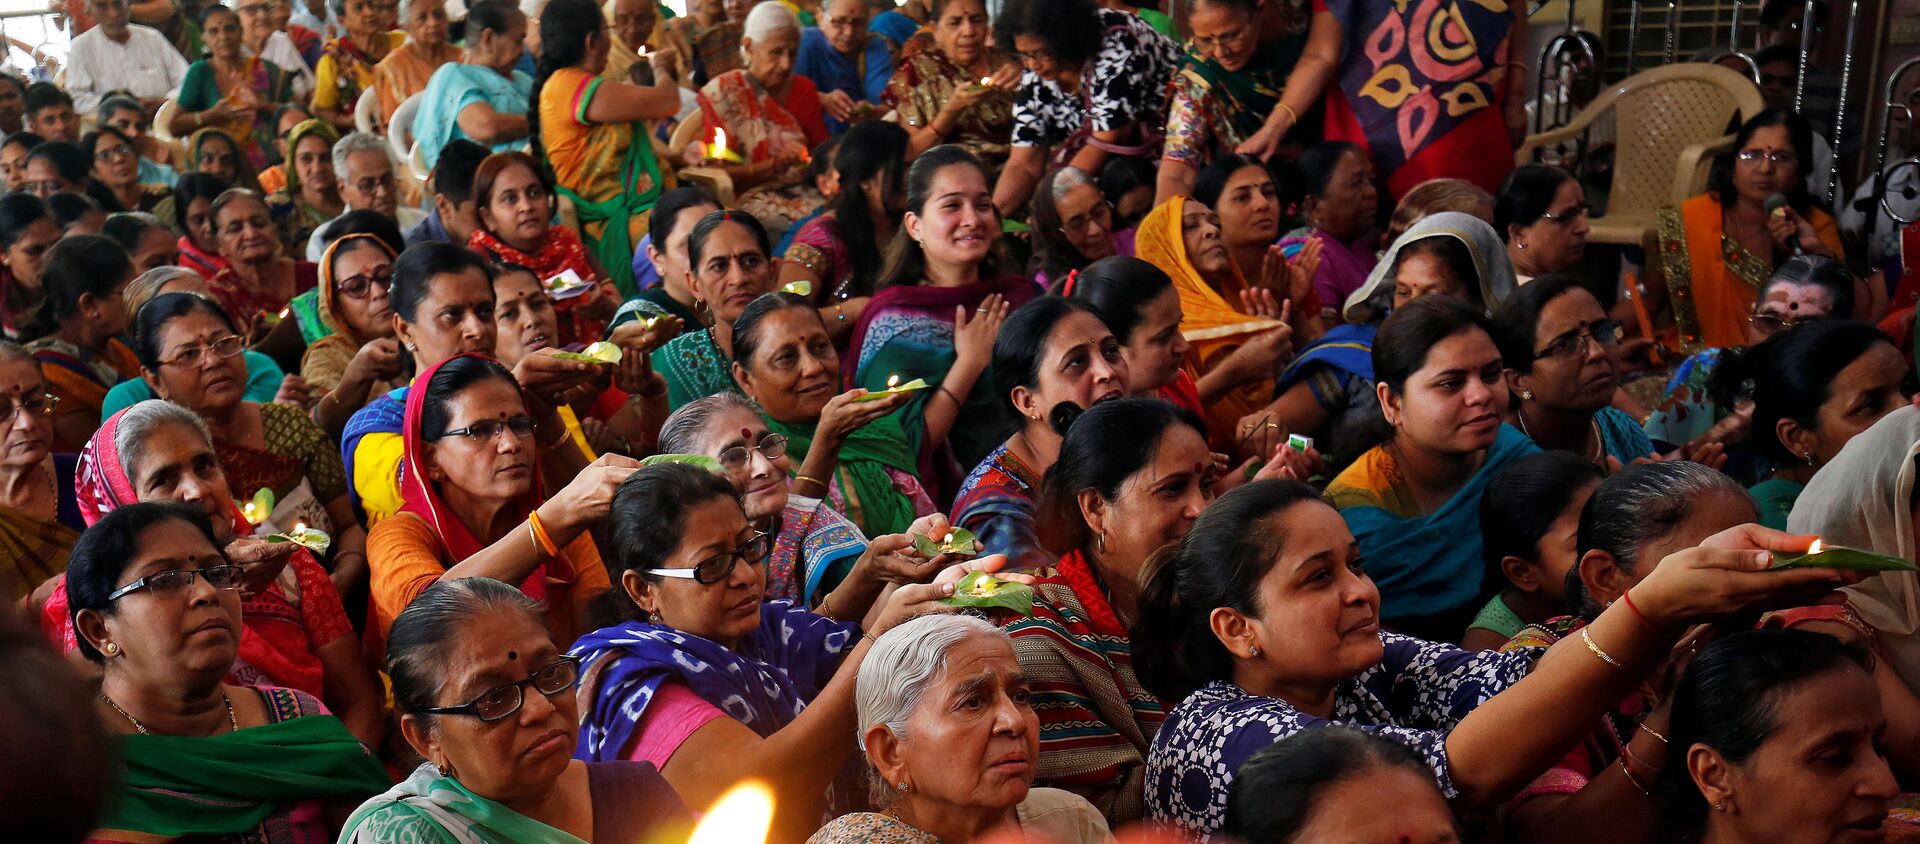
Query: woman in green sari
312, 189
1229, 84
727, 268
861, 456
156, 605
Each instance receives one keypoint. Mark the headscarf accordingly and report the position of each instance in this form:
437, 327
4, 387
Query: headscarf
1491, 266
1864, 499
423, 500
329, 295
294, 136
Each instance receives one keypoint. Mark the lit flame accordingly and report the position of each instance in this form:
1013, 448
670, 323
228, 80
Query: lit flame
285, 311
743, 814
718, 149
893, 381
986, 80
299, 527
252, 512
1814, 548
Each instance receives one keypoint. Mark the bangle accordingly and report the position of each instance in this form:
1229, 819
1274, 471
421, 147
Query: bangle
826, 605
1293, 117
1627, 598
797, 478
956, 399
540, 535
1628, 770
869, 637
564, 434
1653, 732
1586, 635
533, 536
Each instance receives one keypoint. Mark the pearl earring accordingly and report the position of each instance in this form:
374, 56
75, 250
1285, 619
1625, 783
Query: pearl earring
1526, 395
1255, 651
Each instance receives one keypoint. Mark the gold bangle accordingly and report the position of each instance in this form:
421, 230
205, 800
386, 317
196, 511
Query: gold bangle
797, 477
826, 605
1587, 636
1292, 116
1628, 770
1652, 732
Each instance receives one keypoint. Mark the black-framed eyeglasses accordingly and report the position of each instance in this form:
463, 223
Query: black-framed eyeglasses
716, 568
40, 405
522, 427
1078, 224
1769, 325
556, 677
1567, 217
220, 349
772, 447
119, 153
1605, 333
359, 286
1777, 157
223, 576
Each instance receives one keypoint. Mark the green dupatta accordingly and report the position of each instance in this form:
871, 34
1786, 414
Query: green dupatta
227, 784
432, 809
1251, 93
872, 502
614, 247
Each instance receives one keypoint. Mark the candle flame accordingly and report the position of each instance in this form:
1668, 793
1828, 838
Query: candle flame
299, 527
285, 311
893, 381
251, 512
986, 80
743, 814
718, 149
1814, 548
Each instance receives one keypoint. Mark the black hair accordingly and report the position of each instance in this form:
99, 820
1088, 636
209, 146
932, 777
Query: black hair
1246, 6
1212, 181
418, 640
102, 553
1274, 792
365, 221
1729, 700
73, 164
1220, 563
746, 334
1317, 162
449, 381
823, 157
1516, 326
68, 208
163, 309
1525, 194
414, 270
667, 210
1799, 134
1790, 376
128, 229
1071, 28
697, 239
1119, 288
46, 95
454, 171
18, 211
212, 9
1101, 448
1777, 12
1778, 54
23, 139
1413, 329
647, 519
906, 264
1020, 345
565, 26
1122, 175
870, 150
18, 84
192, 186
76, 266
1637, 506
1523, 501
1452, 253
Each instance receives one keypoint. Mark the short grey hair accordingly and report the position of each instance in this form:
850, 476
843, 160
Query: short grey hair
901, 665
685, 427
138, 423
1636, 507
417, 642
1066, 179
358, 142
147, 285
114, 105
11, 352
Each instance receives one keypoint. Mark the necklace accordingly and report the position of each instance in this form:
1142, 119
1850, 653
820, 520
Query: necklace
142, 728
1599, 457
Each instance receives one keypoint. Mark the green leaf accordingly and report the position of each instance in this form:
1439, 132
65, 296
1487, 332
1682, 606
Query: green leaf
699, 460
982, 590
925, 547
910, 386
959, 543
599, 352
1842, 557
798, 287
311, 539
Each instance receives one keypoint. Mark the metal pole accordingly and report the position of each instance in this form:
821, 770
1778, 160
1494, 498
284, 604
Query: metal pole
1673, 27
1633, 36
1733, 29
1840, 112
1806, 47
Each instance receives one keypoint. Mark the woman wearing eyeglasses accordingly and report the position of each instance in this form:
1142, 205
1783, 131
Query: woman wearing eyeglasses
1073, 226
1717, 248
116, 168
486, 698
39, 520
360, 359
157, 607
190, 355
708, 682
474, 505
1557, 344
1541, 212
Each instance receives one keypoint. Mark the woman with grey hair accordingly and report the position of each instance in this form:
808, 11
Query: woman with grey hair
947, 724
486, 698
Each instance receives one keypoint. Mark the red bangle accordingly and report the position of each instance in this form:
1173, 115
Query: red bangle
1627, 597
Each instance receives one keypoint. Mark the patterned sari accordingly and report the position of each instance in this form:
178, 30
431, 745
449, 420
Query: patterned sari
813, 549
81, 378
303, 217
715, 50
694, 368
246, 303
252, 130
761, 128
997, 502
921, 85
606, 169
405, 71
33, 549
1212, 109
875, 482
344, 70
559, 252
1711, 279
298, 463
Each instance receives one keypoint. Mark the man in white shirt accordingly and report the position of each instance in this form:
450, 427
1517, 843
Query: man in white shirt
318, 16
121, 55
364, 169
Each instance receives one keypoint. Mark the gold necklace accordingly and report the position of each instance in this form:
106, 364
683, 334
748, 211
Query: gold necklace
1599, 443
142, 728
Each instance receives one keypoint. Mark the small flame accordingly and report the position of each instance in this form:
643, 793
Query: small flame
299, 527
718, 149
986, 80
285, 311
743, 814
1814, 548
893, 381
251, 512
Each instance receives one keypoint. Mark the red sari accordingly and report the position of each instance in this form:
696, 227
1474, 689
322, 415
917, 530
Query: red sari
562, 250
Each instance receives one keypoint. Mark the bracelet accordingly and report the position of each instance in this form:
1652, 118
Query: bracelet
1293, 117
1627, 597
956, 399
869, 637
826, 605
564, 434
1653, 732
533, 536
1587, 636
797, 478
540, 534
1625, 769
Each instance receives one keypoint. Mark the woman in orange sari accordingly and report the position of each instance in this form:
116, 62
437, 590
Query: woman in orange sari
1718, 248
772, 119
405, 71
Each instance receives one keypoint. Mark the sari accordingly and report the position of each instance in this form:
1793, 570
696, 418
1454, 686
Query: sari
1712, 280
247, 304
81, 378
373, 454
1212, 110
1096, 720
1213, 328
1425, 563
344, 70
562, 250
405, 71
921, 85
298, 463
253, 130
1492, 268
1338, 371
1344, 266
1047, 814
907, 330
453, 87
265, 783
629, 801
814, 547
763, 128
713, 50
997, 502
325, 362
33, 549
875, 483
694, 368
606, 169
303, 218
1424, 105
192, 257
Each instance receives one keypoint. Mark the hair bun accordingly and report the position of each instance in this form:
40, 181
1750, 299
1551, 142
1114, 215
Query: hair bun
1063, 415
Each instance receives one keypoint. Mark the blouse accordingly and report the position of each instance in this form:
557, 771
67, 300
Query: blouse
1125, 84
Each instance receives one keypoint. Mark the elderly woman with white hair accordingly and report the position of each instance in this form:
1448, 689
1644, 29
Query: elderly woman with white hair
346, 63
772, 118
405, 71
946, 721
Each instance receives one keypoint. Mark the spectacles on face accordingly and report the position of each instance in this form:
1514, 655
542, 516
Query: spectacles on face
1604, 333
1213, 44
220, 349
1769, 324
360, 286
112, 154
223, 576
1100, 214
557, 677
772, 447
485, 431
1035, 57
373, 184
1777, 157
43, 405
1566, 218
716, 568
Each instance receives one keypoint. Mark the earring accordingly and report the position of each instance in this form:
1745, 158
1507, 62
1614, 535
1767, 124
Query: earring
411, 347
1808, 456
1101, 539
1526, 395
1719, 807
904, 786
445, 770
654, 617
1520, 245
1255, 651
110, 649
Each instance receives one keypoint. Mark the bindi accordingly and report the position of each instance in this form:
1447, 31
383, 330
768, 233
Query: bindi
513, 655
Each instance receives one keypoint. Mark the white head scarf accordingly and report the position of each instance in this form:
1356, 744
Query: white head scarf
1490, 263
768, 18
1864, 498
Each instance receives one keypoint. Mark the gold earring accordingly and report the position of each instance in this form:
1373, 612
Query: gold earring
1526, 395
110, 649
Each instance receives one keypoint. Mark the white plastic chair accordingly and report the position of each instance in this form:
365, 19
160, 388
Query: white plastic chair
417, 163
163, 119
366, 112
400, 127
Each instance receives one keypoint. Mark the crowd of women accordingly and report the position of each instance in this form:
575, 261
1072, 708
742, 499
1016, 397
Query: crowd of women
1036, 420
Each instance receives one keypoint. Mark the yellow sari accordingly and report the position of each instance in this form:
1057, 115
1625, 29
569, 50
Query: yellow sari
606, 169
